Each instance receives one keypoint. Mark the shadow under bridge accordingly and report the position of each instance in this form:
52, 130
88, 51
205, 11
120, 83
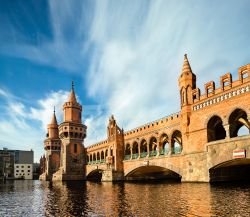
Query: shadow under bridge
152, 173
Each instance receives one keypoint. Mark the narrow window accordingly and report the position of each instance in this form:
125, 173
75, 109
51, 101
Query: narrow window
75, 148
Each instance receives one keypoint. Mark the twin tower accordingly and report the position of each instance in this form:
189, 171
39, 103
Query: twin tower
65, 153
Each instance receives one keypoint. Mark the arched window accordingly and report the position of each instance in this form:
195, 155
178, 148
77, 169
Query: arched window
135, 150
143, 148
127, 152
215, 129
102, 155
176, 142
238, 123
164, 144
152, 146
98, 156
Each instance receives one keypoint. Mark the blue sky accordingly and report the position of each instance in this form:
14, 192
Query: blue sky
124, 57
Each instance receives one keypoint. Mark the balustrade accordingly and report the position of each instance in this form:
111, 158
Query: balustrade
127, 157
143, 154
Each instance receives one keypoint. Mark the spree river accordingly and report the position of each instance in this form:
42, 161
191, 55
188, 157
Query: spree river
35, 198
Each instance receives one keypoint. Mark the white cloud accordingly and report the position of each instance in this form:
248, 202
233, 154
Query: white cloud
139, 52
24, 127
45, 107
135, 54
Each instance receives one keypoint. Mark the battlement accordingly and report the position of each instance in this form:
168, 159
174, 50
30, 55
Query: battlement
152, 125
227, 89
97, 145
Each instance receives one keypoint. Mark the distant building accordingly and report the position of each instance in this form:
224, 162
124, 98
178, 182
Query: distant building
6, 163
16, 164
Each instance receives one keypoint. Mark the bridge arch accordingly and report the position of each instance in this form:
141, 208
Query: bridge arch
153, 171
229, 169
95, 175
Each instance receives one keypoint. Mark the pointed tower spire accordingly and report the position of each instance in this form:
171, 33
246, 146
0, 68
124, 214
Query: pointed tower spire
72, 97
186, 66
54, 120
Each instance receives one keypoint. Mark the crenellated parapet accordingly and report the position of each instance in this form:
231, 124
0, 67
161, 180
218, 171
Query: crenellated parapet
228, 89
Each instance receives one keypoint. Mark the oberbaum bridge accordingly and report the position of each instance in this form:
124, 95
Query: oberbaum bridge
198, 144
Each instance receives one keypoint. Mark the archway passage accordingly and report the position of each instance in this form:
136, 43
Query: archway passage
215, 129
95, 175
152, 173
234, 170
238, 121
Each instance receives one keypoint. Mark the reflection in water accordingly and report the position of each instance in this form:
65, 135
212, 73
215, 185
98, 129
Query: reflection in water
34, 198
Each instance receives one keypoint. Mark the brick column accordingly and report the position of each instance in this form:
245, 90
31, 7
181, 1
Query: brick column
226, 127
148, 149
139, 150
170, 147
158, 148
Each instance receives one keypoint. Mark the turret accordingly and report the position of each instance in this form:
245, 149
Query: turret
53, 128
52, 142
72, 109
187, 83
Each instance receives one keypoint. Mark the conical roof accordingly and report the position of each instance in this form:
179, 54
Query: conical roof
72, 97
53, 120
186, 66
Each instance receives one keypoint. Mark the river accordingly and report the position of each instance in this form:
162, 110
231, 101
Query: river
35, 198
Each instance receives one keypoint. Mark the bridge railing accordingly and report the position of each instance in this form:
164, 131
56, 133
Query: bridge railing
127, 157
152, 153
143, 154
164, 151
96, 162
135, 156
177, 150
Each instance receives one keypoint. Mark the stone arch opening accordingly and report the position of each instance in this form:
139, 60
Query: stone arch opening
143, 148
176, 142
215, 129
95, 175
232, 170
238, 123
91, 158
135, 150
106, 153
94, 157
152, 173
152, 146
102, 155
98, 156
127, 153
164, 144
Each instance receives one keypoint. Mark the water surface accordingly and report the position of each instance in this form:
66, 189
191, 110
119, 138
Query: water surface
35, 198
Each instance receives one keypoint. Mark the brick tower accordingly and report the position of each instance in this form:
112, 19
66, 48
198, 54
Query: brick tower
72, 133
52, 147
187, 87
114, 160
